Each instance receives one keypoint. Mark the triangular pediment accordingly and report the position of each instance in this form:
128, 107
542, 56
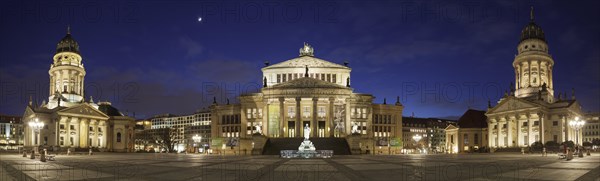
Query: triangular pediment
451, 127
83, 110
303, 61
512, 104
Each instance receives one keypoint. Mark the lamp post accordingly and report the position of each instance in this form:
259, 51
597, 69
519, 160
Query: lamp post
36, 126
417, 137
196, 139
577, 125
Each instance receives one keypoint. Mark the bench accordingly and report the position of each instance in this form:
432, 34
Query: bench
50, 157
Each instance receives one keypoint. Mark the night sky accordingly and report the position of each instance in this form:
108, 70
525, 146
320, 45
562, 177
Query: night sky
156, 57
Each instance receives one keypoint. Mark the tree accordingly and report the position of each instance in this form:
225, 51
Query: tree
552, 146
596, 142
165, 138
536, 146
569, 144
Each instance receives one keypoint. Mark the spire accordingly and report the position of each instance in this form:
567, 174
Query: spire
68, 29
398, 101
489, 104
531, 14
30, 100
384, 101
572, 93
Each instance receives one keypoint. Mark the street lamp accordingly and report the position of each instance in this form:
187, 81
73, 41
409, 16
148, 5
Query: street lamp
36, 126
417, 137
196, 139
577, 124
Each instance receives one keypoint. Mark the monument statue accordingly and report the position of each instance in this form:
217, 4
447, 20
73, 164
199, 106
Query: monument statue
306, 132
258, 128
354, 128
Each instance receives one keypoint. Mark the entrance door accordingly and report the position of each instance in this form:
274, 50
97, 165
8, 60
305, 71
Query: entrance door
291, 129
321, 129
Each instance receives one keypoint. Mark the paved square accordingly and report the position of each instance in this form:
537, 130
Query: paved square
160, 166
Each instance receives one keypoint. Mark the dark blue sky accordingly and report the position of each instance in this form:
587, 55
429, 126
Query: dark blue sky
152, 57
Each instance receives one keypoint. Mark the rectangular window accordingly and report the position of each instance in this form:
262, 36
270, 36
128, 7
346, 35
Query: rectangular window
45, 140
71, 141
364, 113
72, 127
248, 113
278, 78
321, 111
306, 112
61, 141
525, 123
99, 129
476, 139
62, 126
504, 126
284, 78
328, 77
91, 128
323, 77
554, 123
536, 123
466, 139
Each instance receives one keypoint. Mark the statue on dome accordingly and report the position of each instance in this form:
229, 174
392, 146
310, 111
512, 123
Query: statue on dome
307, 50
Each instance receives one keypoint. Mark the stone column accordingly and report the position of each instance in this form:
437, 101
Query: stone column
509, 133
529, 131
298, 124
519, 135
83, 132
329, 124
314, 125
95, 139
563, 128
489, 133
281, 117
499, 130
529, 72
541, 129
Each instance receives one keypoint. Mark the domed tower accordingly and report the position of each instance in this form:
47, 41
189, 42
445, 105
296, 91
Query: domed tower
533, 65
66, 73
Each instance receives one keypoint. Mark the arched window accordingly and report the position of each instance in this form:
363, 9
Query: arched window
119, 137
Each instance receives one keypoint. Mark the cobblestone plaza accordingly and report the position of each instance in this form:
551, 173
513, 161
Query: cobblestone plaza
156, 166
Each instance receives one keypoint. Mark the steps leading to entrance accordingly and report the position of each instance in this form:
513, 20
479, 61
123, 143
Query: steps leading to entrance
275, 145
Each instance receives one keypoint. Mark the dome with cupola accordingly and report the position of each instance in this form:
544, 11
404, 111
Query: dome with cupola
532, 30
67, 43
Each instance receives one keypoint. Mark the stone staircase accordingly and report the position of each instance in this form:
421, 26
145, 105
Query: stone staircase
273, 146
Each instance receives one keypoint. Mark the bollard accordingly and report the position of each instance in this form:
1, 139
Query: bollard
25, 153
588, 153
32, 154
90, 151
68, 151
